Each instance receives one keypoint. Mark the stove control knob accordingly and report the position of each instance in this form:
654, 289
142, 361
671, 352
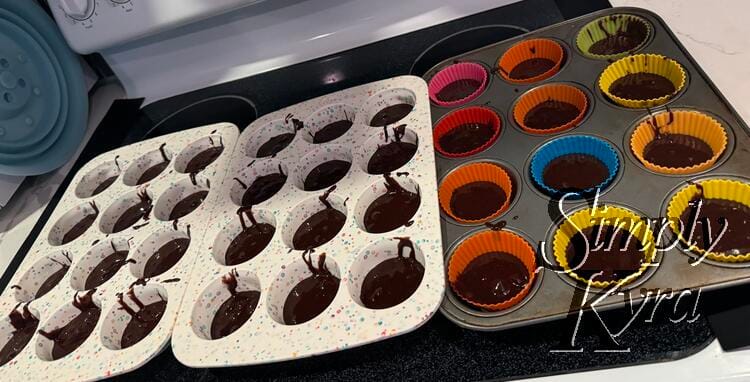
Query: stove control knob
78, 9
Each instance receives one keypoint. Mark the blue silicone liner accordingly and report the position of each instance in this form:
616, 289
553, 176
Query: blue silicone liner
575, 144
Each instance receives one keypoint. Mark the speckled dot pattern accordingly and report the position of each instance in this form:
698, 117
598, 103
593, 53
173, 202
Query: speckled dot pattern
98, 357
345, 323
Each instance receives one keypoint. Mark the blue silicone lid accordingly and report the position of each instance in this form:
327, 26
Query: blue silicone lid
574, 144
65, 134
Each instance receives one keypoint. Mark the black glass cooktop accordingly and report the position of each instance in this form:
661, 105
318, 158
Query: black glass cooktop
439, 350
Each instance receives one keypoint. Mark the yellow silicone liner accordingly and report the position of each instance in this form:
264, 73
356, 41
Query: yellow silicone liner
475, 172
493, 241
686, 122
643, 63
725, 189
604, 215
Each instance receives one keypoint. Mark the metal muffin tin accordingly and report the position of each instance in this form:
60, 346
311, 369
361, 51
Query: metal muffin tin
634, 187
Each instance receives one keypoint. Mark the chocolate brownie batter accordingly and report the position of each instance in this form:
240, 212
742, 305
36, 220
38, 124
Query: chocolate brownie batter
104, 185
186, 206
143, 321
67, 338
394, 280
82, 226
393, 209
321, 227
333, 130
550, 114
703, 228
204, 158
55, 277
326, 174
531, 68
141, 210
236, 310
614, 252
166, 256
574, 172
677, 150
107, 268
467, 137
24, 325
393, 155
278, 143
391, 114
642, 86
477, 200
251, 241
628, 36
152, 172
458, 90
492, 278
263, 188
311, 296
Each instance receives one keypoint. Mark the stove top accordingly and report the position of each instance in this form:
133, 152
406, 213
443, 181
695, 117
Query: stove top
440, 349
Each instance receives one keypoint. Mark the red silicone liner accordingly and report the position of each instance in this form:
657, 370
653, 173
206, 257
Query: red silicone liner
458, 72
474, 114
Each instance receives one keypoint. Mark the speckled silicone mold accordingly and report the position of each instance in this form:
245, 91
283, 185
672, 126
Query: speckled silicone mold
266, 336
65, 262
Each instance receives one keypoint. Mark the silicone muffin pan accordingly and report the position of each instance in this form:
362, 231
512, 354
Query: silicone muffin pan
99, 292
607, 130
309, 198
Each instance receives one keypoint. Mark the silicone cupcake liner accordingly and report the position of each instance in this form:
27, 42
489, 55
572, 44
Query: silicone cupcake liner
475, 172
725, 189
554, 92
469, 115
643, 63
528, 49
603, 27
686, 122
492, 241
577, 144
454, 73
604, 215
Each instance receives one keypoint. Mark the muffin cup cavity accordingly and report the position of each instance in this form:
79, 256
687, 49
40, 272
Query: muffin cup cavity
481, 125
73, 224
117, 319
551, 97
397, 158
471, 174
304, 211
336, 119
169, 244
99, 179
214, 295
289, 277
98, 259
134, 174
62, 317
572, 145
723, 189
643, 63
43, 276
182, 198
604, 215
308, 168
374, 255
232, 230
378, 104
532, 49
684, 122
190, 158
271, 174
490, 241
270, 139
8, 331
380, 188
461, 72
618, 34
108, 223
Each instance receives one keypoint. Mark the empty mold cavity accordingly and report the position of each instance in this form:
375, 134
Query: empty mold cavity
314, 222
322, 168
73, 224
388, 204
161, 251
387, 151
43, 276
182, 198
136, 313
388, 107
99, 179
271, 138
148, 167
16, 330
226, 305
258, 182
125, 212
329, 123
244, 237
304, 289
199, 154
100, 264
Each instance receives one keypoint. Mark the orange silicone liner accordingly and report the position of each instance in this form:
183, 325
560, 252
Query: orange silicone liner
492, 241
474, 114
557, 92
475, 172
528, 49
686, 122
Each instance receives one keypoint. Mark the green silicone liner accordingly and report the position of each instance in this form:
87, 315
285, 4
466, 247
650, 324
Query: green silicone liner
611, 23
